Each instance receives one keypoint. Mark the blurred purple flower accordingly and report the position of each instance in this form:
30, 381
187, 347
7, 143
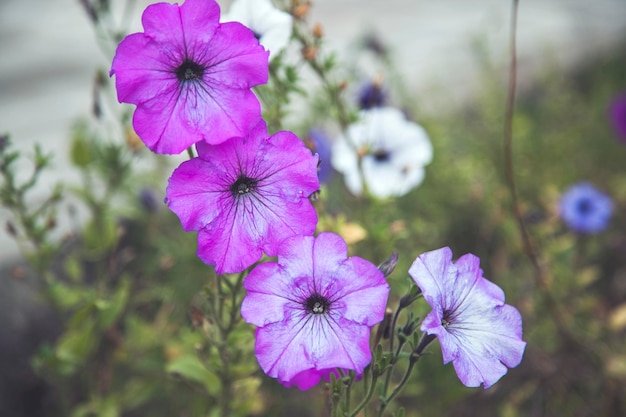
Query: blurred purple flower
617, 114
245, 196
477, 331
148, 200
313, 309
585, 209
319, 143
372, 95
189, 76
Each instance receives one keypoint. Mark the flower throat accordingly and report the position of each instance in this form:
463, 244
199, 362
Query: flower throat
189, 71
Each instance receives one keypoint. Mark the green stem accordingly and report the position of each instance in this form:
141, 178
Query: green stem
529, 248
393, 360
415, 357
368, 395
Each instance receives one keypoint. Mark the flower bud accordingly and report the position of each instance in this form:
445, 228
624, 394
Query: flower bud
309, 53
389, 264
318, 31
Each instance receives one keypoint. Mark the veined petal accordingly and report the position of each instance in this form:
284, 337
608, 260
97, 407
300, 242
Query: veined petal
310, 324
477, 332
240, 63
194, 195
231, 244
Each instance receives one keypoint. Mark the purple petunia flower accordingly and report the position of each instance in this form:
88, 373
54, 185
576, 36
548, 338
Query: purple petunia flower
372, 95
314, 309
245, 196
477, 331
320, 143
617, 113
585, 209
190, 76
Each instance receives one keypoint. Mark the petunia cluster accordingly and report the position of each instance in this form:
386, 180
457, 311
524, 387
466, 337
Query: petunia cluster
246, 193
190, 74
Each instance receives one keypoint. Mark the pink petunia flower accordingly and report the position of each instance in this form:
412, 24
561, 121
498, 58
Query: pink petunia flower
313, 309
245, 196
190, 76
477, 331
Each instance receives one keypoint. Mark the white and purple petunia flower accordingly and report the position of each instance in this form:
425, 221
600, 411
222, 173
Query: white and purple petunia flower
271, 26
190, 76
585, 209
313, 309
477, 331
392, 149
245, 196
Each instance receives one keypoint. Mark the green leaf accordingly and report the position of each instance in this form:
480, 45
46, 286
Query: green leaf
110, 310
190, 367
81, 153
77, 344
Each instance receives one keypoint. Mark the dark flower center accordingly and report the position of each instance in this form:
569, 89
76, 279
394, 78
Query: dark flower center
446, 320
189, 71
584, 206
243, 185
317, 304
381, 155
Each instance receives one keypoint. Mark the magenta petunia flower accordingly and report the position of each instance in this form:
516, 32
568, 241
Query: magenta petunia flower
477, 331
190, 76
313, 310
245, 196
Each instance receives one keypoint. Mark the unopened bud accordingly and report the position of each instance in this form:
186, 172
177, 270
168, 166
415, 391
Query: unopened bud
384, 328
300, 11
4, 142
11, 230
51, 223
132, 140
318, 31
309, 53
389, 264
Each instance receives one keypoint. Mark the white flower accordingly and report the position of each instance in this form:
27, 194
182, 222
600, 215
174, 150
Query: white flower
270, 25
395, 151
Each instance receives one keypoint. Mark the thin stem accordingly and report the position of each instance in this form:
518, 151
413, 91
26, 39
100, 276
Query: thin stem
392, 362
190, 152
414, 358
367, 397
529, 248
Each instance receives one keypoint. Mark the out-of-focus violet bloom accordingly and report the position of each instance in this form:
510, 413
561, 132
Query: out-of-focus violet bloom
585, 209
245, 196
372, 95
394, 152
313, 310
189, 76
319, 143
148, 200
617, 114
477, 331
271, 26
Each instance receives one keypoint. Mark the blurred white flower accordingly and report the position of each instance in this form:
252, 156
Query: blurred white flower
394, 152
270, 25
